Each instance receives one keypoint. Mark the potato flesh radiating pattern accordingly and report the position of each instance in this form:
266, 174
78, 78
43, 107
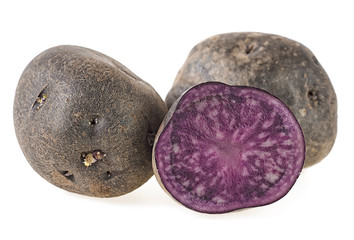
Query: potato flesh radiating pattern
226, 148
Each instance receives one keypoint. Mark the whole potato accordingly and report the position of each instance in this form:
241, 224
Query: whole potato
282, 67
85, 122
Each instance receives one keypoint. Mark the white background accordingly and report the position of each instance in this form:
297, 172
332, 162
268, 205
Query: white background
153, 38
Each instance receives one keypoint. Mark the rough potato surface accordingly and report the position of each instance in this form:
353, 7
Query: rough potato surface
282, 67
85, 122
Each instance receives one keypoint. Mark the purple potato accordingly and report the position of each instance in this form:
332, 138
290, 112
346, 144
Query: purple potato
282, 67
222, 148
85, 122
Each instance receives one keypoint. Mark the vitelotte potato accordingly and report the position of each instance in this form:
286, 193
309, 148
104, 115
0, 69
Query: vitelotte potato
282, 67
222, 148
85, 122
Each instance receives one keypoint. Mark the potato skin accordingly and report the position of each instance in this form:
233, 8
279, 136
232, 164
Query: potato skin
91, 102
162, 126
282, 67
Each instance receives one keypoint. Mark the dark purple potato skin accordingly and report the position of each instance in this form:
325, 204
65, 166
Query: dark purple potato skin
221, 148
282, 67
73, 104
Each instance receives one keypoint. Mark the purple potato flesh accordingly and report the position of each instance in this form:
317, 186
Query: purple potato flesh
223, 148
